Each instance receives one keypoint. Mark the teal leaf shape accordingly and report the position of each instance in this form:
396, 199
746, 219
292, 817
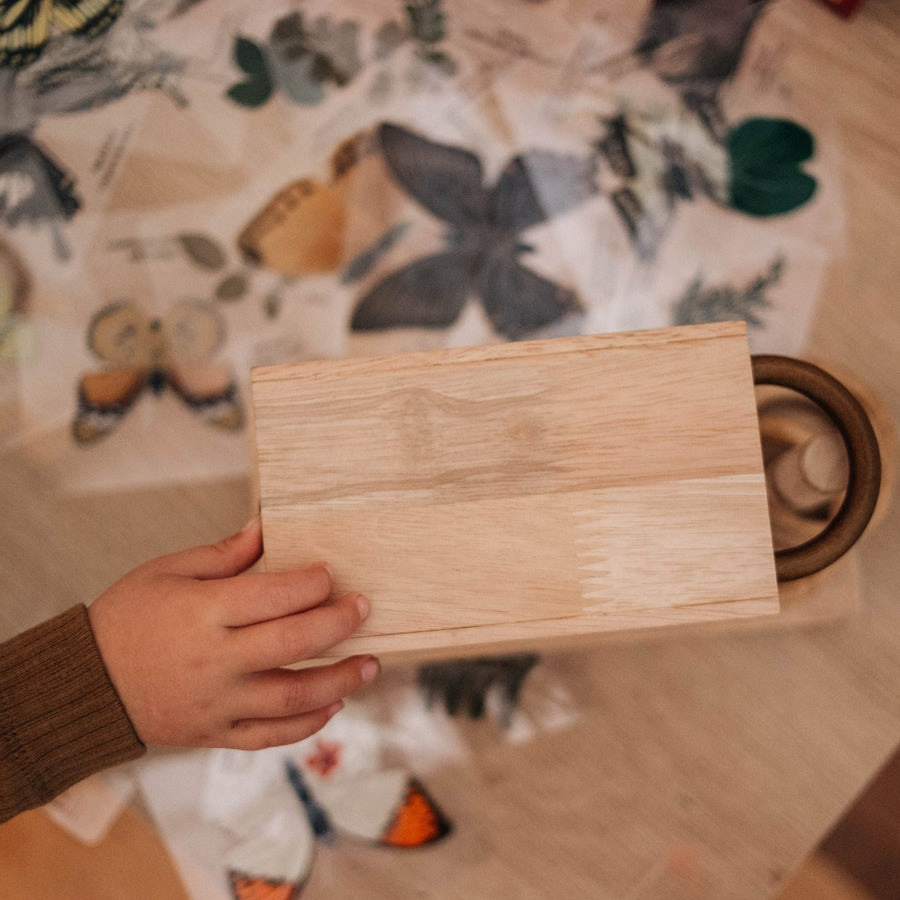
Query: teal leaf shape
256, 89
766, 175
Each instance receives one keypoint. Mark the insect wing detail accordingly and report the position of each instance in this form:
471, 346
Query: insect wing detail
103, 400
27, 26
299, 232
417, 821
210, 392
32, 186
446, 180
428, 293
518, 300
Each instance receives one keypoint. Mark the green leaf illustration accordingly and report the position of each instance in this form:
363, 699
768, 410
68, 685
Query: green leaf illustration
202, 250
232, 287
257, 88
249, 56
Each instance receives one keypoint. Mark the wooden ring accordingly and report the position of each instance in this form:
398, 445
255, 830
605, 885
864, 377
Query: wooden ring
864, 479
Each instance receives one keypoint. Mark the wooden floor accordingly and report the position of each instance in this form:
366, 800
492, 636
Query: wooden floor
859, 859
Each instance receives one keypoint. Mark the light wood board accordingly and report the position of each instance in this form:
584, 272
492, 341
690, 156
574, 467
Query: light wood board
523, 491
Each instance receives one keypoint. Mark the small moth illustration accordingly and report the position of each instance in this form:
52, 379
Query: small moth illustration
142, 353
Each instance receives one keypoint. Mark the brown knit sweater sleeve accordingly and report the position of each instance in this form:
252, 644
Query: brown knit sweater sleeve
60, 716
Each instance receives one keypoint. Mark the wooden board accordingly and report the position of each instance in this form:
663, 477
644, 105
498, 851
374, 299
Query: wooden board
523, 491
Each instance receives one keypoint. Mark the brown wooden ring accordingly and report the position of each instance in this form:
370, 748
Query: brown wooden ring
864, 479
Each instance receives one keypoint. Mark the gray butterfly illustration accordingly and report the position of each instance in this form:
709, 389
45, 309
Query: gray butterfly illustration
483, 240
696, 47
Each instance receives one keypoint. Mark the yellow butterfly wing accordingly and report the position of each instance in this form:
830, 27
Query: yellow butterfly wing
26, 26
300, 231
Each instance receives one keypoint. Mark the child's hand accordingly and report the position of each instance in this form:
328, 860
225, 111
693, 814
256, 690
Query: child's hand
194, 647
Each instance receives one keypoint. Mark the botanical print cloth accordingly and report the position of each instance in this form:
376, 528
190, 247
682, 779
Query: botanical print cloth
189, 188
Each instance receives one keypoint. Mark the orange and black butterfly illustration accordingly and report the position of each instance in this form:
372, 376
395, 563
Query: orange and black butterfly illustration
141, 352
416, 820
385, 806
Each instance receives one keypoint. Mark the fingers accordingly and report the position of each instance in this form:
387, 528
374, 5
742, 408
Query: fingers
257, 734
225, 558
283, 693
290, 639
285, 707
260, 597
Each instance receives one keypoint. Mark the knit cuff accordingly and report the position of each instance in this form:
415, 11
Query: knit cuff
60, 716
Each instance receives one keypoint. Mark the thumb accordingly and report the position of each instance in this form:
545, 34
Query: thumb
225, 558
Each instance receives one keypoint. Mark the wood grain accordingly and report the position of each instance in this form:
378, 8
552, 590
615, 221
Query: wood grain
523, 491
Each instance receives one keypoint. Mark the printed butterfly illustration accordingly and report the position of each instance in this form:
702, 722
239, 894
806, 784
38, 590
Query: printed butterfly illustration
142, 353
201, 250
484, 244
389, 807
33, 188
351, 796
306, 227
302, 229
26, 26
345, 791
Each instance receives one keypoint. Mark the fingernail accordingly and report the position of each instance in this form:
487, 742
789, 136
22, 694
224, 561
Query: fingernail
362, 604
328, 569
335, 708
369, 669
253, 523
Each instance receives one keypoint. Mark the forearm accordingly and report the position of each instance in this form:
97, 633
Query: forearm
60, 716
